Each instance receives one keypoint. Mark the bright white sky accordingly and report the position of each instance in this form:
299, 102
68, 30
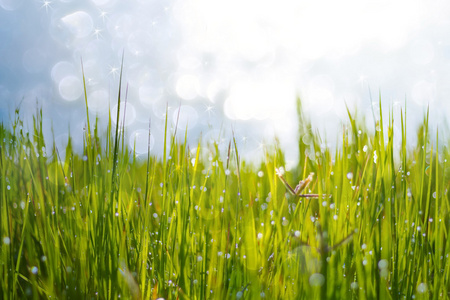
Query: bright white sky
233, 62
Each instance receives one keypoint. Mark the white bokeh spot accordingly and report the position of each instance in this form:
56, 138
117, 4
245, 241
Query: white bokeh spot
148, 95
62, 69
129, 112
139, 141
70, 88
10, 5
187, 87
79, 24
98, 101
187, 117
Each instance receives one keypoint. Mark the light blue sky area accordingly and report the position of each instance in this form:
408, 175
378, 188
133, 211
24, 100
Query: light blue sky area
227, 63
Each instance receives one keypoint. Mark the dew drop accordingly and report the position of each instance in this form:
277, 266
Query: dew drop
383, 264
422, 288
316, 279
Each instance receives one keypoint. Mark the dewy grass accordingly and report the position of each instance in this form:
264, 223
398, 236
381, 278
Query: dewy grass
208, 225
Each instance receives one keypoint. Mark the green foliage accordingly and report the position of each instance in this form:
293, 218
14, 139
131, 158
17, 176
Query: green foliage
206, 225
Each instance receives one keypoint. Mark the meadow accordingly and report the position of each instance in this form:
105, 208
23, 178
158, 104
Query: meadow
205, 224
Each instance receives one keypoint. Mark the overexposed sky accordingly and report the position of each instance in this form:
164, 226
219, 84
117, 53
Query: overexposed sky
227, 63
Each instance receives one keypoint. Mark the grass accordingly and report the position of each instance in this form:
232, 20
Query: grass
206, 225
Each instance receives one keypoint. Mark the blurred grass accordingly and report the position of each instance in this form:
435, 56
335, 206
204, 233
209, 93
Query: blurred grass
206, 225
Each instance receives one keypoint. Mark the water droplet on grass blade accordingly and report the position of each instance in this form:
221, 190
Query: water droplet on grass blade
383, 264
422, 288
316, 279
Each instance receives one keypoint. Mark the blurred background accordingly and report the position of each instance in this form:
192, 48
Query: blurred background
224, 64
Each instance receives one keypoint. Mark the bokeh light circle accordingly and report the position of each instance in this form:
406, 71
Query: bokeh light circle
98, 101
187, 117
79, 24
62, 69
10, 4
126, 110
187, 87
139, 141
149, 95
70, 88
